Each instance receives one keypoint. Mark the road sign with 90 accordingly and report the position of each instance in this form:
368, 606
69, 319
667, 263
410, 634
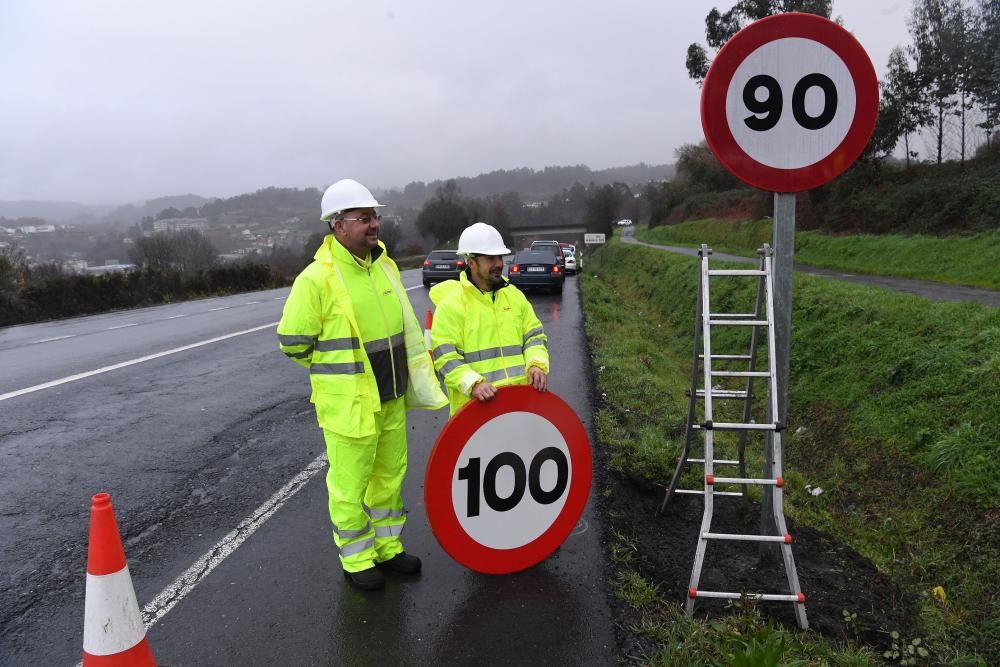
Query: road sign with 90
789, 102
507, 480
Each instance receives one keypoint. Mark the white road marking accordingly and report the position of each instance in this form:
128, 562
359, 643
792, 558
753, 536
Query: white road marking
191, 577
49, 340
250, 303
131, 362
123, 326
174, 317
211, 310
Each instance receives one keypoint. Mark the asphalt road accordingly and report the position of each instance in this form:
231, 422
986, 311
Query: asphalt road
211, 425
922, 288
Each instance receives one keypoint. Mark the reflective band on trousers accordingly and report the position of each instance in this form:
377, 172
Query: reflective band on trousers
383, 344
385, 514
352, 534
286, 339
493, 353
533, 332
445, 349
351, 368
388, 531
336, 344
357, 547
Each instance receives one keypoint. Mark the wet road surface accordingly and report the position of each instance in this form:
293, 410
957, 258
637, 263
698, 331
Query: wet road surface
189, 444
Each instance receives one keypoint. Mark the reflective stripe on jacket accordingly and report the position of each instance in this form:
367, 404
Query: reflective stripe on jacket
492, 336
319, 329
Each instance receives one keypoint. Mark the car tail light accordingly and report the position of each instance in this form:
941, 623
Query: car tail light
427, 262
556, 269
515, 268
459, 263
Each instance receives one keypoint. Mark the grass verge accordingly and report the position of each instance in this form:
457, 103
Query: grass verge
896, 397
959, 260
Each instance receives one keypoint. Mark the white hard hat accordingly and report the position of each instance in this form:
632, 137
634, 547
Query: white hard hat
481, 239
344, 195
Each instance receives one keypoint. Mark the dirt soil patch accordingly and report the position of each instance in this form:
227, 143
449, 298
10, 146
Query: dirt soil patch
834, 578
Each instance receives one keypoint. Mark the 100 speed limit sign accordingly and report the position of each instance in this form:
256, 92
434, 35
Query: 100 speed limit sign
789, 102
507, 480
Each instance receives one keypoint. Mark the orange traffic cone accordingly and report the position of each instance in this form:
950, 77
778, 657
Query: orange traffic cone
113, 633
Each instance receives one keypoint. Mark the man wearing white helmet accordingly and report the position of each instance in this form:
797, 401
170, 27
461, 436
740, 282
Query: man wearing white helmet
485, 334
349, 321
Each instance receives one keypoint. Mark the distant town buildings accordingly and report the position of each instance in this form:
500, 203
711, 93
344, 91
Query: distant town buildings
180, 224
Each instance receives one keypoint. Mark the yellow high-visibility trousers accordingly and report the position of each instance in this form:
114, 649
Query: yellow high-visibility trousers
364, 481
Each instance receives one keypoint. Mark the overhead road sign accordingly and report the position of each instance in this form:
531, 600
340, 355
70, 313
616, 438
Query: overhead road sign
507, 480
789, 102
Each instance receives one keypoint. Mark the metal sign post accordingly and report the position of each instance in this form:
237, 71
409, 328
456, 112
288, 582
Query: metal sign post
784, 249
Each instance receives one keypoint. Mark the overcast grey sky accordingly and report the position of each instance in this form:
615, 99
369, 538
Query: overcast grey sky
109, 101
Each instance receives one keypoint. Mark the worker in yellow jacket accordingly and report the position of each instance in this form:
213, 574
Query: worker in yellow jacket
349, 321
485, 334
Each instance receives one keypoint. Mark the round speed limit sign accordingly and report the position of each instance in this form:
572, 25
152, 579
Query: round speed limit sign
789, 102
507, 480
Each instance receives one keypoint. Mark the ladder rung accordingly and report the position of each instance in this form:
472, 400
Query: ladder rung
743, 316
738, 323
747, 538
719, 462
746, 480
723, 393
728, 357
767, 597
714, 493
724, 426
736, 272
741, 374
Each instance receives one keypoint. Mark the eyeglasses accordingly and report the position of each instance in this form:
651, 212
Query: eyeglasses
367, 218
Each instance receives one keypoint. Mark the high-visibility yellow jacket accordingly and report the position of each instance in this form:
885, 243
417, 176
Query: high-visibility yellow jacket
324, 329
493, 336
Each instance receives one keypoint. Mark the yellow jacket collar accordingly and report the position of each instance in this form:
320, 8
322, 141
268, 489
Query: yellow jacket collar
332, 249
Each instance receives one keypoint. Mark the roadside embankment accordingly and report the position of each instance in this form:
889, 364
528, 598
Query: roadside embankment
958, 260
892, 414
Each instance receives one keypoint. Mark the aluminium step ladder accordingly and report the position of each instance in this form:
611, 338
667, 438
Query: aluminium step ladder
760, 320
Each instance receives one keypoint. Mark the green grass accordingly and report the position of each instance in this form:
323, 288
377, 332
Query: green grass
897, 399
960, 260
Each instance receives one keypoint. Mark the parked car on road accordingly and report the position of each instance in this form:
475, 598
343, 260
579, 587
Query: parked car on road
625, 223
442, 265
536, 268
569, 261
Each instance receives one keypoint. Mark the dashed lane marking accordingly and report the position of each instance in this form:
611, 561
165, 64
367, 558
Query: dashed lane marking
174, 317
49, 340
212, 310
123, 326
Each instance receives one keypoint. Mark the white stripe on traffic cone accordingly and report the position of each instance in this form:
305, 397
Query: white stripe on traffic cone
113, 632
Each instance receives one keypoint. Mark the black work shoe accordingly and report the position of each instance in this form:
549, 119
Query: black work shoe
403, 563
367, 580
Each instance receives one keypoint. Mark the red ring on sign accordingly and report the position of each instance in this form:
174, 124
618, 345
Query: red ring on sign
716, 85
441, 470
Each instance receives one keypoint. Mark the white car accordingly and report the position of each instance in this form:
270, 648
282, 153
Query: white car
570, 261
625, 223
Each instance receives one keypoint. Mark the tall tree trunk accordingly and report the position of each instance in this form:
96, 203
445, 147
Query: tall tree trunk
940, 136
906, 145
962, 160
